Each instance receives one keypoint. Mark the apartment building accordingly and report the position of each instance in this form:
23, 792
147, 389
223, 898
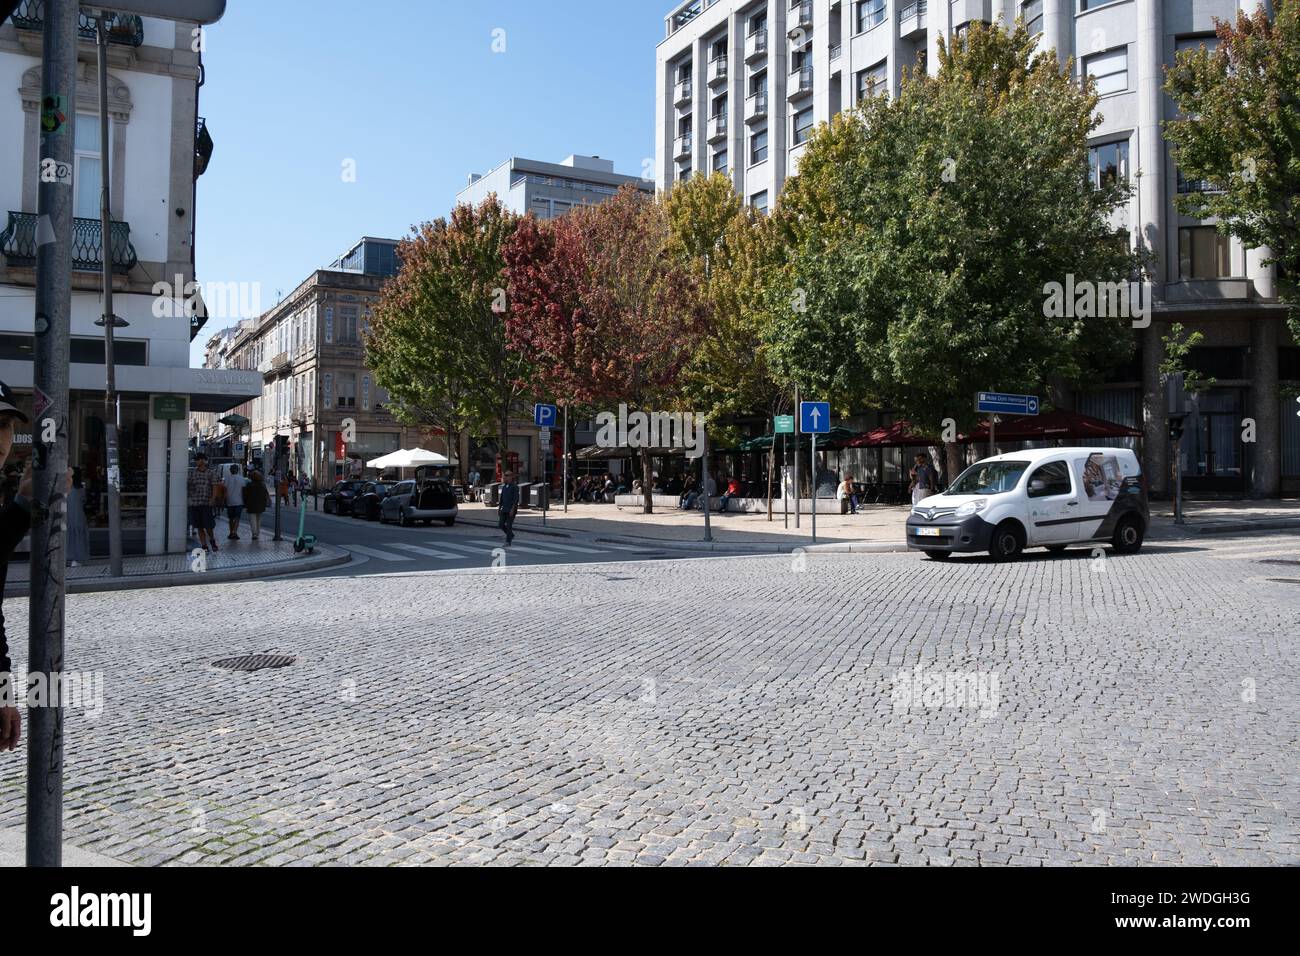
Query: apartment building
740, 84
548, 190
158, 146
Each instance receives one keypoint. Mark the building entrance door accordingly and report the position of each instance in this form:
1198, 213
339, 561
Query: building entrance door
1213, 454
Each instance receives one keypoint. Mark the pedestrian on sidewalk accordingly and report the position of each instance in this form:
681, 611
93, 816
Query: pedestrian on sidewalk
256, 500
507, 506
235, 483
200, 489
78, 529
689, 493
733, 490
15, 520
924, 479
845, 492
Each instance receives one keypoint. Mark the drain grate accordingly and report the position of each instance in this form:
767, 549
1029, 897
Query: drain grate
254, 662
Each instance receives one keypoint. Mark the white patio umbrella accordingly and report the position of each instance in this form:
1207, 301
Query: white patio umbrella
408, 458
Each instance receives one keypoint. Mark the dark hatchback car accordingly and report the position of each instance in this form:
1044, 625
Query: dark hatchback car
338, 500
369, 499
426, 499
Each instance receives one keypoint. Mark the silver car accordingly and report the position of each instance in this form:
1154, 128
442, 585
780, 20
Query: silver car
424, 499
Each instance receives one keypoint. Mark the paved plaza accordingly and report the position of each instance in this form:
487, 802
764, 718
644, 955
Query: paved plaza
719, 710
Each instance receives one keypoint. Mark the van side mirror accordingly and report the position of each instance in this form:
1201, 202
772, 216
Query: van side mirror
1037, 486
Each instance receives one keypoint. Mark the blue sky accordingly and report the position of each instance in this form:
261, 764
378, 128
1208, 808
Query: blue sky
413, 92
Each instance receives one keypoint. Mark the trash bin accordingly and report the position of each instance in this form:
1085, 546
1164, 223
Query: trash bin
844, 506
492, 494
539, 496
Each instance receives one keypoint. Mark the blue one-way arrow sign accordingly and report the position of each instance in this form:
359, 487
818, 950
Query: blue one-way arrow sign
544, 415
1004, 404
814, 418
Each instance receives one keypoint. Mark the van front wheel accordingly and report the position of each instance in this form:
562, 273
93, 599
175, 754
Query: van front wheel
1128, 536
1008, 542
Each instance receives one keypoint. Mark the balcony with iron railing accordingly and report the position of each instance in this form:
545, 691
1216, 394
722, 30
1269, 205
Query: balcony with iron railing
801, 13
684, 144
756, 106
18, 244
717, 126
682, 92
126, 29
912, 19
756, 45
718, 70
801, 81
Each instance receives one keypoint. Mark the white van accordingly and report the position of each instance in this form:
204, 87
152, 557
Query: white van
1043, 497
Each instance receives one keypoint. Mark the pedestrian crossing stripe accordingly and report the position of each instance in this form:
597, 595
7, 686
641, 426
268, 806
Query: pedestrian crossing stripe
520, 548
375, 553
427, 552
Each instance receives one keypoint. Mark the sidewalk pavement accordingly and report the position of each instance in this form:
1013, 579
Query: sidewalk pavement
236, 561
13, 852
876, 528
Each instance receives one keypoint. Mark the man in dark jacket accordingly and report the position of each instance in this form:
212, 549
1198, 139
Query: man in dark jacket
507, 505
15, 520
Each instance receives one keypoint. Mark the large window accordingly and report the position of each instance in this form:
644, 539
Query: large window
86, 172
1108, 163
347, 330
720, 161
758, 147
345, 384
803, 123
1109, 69
873, 81
759, 201
870, 14
1055, 480
1203, 253
1032, 11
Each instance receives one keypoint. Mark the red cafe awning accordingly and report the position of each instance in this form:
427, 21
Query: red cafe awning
897, 435
1052, 425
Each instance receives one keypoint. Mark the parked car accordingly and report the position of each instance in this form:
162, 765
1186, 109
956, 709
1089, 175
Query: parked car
425, 499
368, 499
1042, 497
338, 500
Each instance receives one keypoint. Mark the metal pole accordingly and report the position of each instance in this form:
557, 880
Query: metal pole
278, 459
814, 487
704, 483
1178, 482
52, 319
798, 423
167, 493
112, 408
565, 490
993, 426
785, 497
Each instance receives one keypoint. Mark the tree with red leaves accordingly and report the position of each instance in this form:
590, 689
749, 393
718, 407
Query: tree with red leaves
601, 309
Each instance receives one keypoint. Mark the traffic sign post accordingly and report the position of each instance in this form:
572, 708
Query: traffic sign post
814, 419
1004, 403
544, 416
784, 425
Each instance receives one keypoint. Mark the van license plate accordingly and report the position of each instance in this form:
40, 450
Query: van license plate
927, 532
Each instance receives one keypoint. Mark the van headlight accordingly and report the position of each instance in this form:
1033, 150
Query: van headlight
972, 507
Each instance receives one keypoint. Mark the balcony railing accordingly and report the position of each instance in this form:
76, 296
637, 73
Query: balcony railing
756, 105
18, 244
801, 81
684, 143
717, 126
202, 148
718, 69
836, 50
126, 28
755, 44
683, 91
801, 13
912, 18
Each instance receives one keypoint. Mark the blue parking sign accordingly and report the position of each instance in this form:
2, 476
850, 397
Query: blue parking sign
544, 415
814, 418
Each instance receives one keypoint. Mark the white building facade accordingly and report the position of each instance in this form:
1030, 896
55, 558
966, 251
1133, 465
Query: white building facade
158, 146
548, 190
740, 84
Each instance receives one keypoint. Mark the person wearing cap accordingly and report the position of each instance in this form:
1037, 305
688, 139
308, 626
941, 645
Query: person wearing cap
15, 520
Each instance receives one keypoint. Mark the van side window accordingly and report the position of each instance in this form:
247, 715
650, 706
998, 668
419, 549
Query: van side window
1055, 476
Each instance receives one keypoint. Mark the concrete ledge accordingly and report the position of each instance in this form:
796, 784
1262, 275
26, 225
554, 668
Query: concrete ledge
326, 556
13, 852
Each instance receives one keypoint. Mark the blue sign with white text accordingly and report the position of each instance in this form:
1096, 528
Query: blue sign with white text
1004, 404
544, 415
814, 418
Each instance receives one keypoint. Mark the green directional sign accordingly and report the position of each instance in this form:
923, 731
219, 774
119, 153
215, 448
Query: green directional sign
169, 407
784, 425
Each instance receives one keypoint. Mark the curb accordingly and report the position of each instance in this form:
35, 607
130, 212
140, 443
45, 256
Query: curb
327, 556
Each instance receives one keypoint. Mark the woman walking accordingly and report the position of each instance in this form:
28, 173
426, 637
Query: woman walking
256, 499
78, 530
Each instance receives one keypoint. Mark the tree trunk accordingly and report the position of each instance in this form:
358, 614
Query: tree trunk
646, 481
771, 465
955, 461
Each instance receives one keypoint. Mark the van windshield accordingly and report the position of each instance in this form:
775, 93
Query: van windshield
989, 478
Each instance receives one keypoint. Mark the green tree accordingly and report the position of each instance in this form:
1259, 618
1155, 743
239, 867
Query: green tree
1240, 133
926, 232
438, 341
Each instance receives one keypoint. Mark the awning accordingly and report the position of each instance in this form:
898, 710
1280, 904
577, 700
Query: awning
897, 435
1050, 426
601, 453
833, 439
408, 458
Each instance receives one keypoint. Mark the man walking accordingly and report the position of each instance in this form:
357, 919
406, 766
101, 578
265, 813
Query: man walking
15, 520
924, 480
507, 505
234, 483
198, 488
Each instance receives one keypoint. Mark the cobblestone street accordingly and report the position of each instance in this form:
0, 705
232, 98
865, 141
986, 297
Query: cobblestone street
1143, 710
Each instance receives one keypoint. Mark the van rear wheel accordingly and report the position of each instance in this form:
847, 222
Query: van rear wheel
1008, 542
1128, 536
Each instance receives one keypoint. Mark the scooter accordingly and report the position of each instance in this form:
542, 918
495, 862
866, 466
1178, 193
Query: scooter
304, 542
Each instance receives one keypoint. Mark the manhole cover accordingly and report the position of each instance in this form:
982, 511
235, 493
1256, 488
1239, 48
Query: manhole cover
254, 662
